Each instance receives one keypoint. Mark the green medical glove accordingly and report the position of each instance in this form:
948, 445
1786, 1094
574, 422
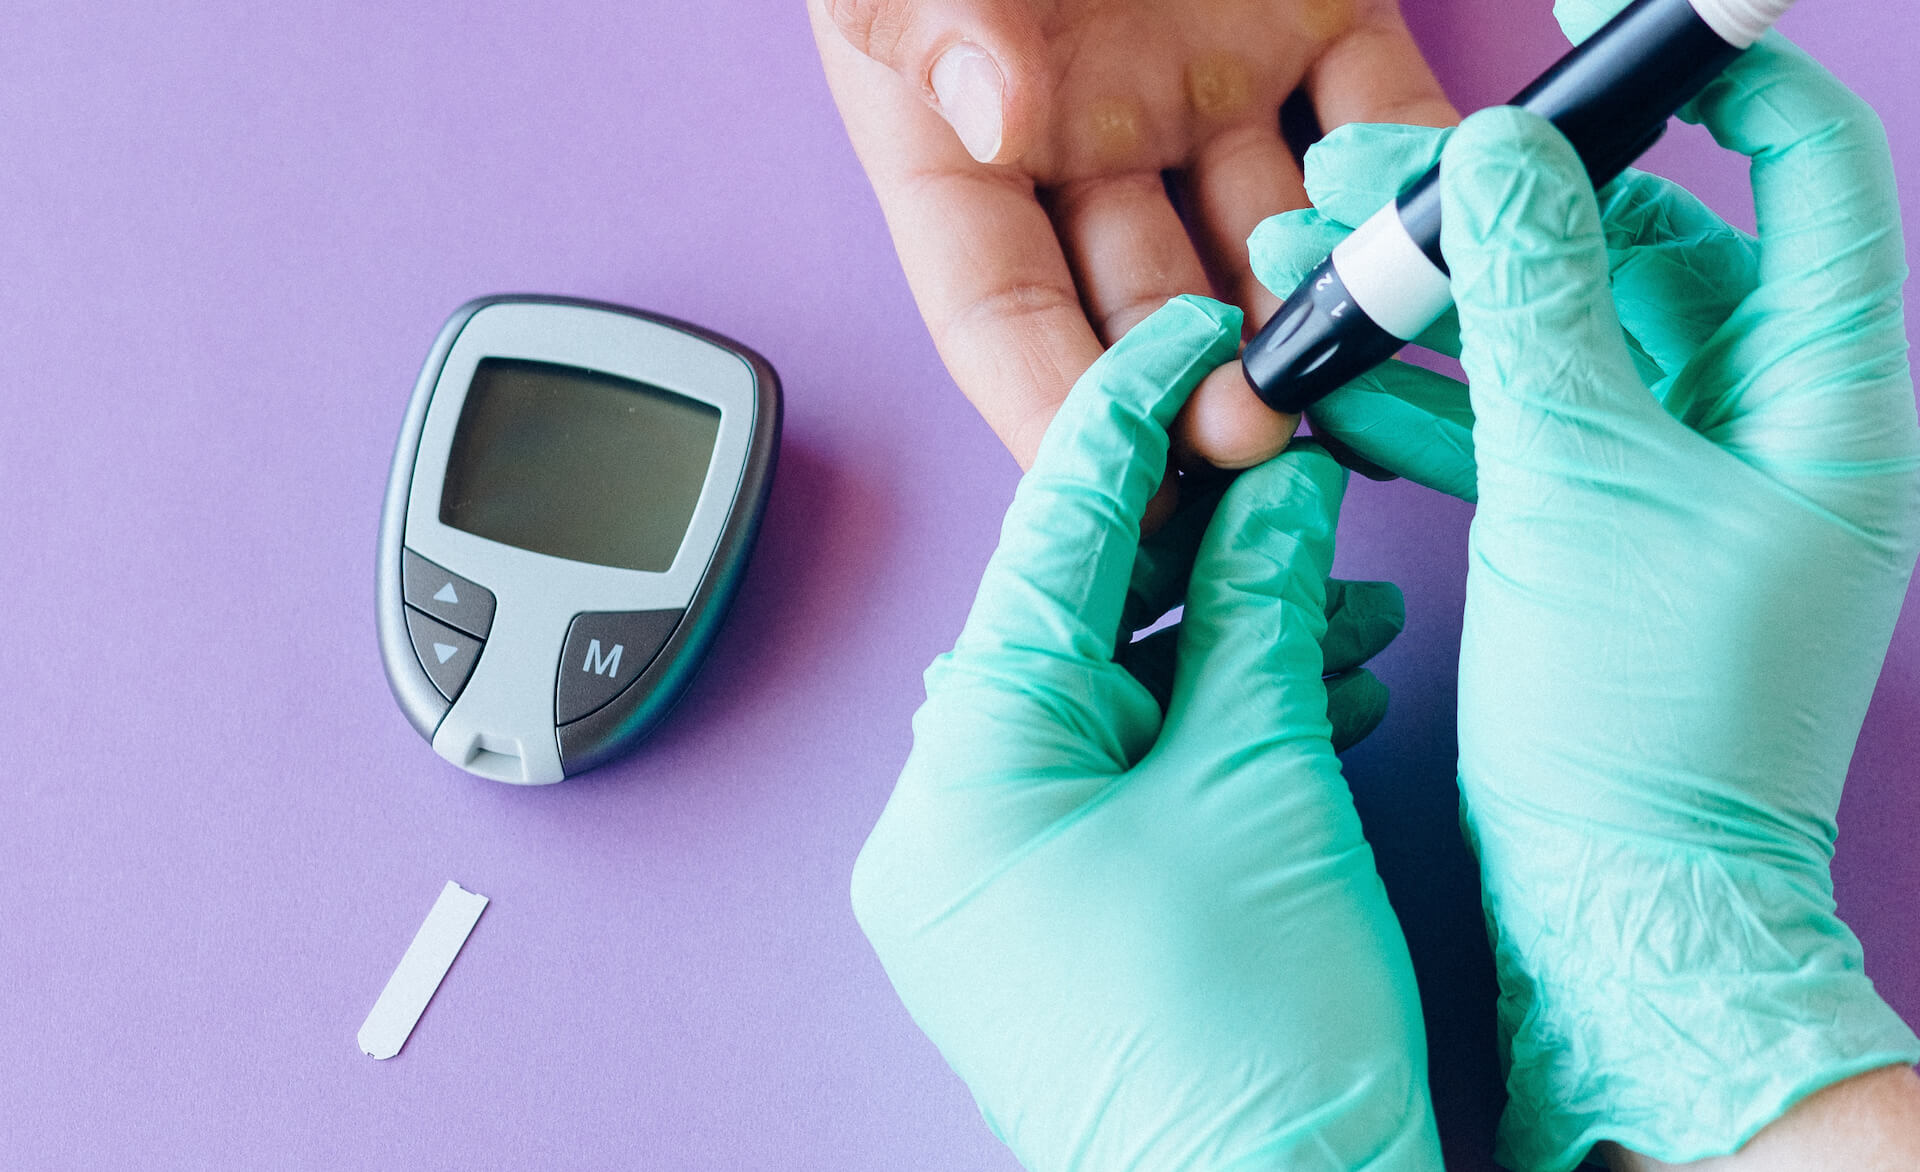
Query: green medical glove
1699, 509
1361, 618
1151, 941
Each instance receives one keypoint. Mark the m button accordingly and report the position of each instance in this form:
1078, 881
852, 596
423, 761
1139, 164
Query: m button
605, 653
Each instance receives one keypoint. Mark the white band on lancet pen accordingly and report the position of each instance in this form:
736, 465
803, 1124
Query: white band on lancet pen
1740, 23
1389, 278
421, 970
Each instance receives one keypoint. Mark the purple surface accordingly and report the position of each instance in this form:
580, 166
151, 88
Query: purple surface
228, 236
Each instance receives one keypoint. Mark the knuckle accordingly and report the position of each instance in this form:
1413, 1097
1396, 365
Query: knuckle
864, 891
1019, 305
1289, 494
1861, 123
874, 27
1416, 110
875, 885
1116, 319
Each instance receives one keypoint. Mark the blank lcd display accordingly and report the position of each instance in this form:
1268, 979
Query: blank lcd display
577, 464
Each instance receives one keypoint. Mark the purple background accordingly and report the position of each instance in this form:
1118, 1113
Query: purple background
227, 237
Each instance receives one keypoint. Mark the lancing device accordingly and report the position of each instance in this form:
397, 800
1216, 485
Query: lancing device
1383, 285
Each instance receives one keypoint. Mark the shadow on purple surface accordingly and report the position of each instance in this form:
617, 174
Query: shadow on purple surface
1403, 786
809, 561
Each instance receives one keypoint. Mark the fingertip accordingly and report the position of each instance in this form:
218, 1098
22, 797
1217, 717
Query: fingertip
1501, 135
1278, 231
1222, 317
1225, 424
1378, 607
1580, 19
1357, 168
982, 65
990, 85
1283, 249
1517, 199
1356, 706
1363, 619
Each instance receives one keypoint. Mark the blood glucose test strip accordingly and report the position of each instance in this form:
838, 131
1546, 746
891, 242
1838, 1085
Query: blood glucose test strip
421, 970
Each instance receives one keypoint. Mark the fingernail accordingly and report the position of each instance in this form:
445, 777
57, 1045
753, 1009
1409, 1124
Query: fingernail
968, 86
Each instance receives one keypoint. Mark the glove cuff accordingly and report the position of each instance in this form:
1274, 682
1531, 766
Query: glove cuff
1671, 998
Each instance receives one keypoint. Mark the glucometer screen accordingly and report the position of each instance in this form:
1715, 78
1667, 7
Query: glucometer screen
577, 464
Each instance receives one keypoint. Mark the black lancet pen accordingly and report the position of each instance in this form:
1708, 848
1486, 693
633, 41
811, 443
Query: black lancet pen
1611, 96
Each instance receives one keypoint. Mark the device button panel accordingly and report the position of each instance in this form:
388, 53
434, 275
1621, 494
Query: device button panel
446, 596
447, 655
604, 653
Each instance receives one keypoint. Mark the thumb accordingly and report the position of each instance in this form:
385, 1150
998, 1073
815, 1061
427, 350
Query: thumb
981, 64
1553, 386
1251, 658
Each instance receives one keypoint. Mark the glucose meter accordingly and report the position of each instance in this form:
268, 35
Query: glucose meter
573, 498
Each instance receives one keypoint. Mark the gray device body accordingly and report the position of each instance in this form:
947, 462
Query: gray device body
480, 638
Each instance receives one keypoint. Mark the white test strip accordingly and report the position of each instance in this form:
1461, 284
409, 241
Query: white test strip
421, 970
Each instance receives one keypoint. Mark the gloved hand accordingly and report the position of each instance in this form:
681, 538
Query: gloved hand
1151, 941
1699, 508
1362, 617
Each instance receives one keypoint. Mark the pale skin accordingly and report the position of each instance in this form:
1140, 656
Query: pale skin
1868, 1123
1027, 267
1035, 233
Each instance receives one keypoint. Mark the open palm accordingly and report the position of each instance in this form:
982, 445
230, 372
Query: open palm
1026, 267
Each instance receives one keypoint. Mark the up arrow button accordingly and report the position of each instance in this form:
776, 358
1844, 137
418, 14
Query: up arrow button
446, 596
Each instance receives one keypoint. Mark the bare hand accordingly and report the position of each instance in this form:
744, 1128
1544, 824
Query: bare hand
1018, 149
